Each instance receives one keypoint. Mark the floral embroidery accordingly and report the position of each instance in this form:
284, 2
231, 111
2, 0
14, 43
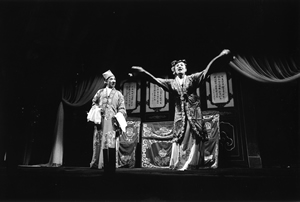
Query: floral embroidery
162, 161
109, 139
126, 158
162, 153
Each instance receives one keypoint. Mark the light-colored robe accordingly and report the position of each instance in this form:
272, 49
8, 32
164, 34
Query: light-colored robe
187, 129
105, 135
189, 135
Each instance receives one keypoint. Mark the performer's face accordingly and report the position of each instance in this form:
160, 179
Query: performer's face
111, 82
180, 68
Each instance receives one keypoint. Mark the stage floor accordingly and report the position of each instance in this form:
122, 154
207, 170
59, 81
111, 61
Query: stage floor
141, 184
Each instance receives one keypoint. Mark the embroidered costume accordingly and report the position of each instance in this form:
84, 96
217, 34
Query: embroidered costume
110, 103
188, 130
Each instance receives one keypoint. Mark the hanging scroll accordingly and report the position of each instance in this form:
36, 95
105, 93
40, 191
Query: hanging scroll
157, 98
219, 88
219, 91
132, 96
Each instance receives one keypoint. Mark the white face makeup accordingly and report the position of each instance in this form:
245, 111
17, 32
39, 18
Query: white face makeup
180, 68
111, 82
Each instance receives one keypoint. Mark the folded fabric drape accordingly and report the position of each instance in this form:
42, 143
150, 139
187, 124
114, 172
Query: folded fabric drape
75, 97
94, 115
277, 72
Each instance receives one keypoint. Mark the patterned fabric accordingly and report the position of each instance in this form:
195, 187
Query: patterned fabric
127, 144
187, 103
156, 153
105, 135
158, 130
188, 132
211, 147
157, 144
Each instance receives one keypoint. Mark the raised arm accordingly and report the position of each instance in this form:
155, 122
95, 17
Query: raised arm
139, 71
223, 58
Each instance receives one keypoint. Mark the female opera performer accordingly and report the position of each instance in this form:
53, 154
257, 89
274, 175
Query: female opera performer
188, 132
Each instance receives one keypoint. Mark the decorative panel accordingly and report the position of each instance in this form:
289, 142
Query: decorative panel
156, 144
132, 95
157, 100
219, 91
157, 103
232, 143
211, 147
128, 142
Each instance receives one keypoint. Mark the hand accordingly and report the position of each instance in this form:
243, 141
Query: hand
135, 70
225, 52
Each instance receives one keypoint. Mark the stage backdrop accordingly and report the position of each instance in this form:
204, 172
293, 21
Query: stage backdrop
157, 145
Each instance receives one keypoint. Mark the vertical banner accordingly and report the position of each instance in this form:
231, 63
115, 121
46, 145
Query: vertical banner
219, 91
219, 88
132, 96
157, 99
157, 96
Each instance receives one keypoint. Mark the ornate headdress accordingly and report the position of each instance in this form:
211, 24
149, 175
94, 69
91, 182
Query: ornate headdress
174, 62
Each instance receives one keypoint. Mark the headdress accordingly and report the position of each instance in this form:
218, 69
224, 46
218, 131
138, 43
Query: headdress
107, 74
174, 62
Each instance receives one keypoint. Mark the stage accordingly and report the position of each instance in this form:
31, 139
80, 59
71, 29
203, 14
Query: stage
140, 184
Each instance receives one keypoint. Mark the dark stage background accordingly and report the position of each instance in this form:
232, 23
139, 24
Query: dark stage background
48, 44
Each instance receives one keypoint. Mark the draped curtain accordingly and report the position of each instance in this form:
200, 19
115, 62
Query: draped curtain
73, 96
266, 70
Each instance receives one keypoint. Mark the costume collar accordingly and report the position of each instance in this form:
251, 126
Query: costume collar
108, 91
177, 79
